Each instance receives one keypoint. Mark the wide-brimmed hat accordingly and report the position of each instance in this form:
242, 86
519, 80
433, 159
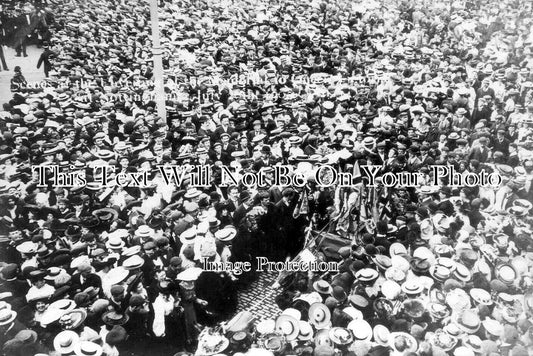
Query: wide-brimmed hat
481, 296
383, 262
295, 140
361, 330
63, 305
106, 214
88, 348
113, 318
340, 336
306, 331
188, 236
458, 300
473, 342
390, 289
412, 286
322, 338
506, 273
395, 274
56, 310
402, 342
7, 316
462, 273
190, 274
353, 313
27, 247
439, 311
397, 249
288, 326
443, 340
468, 321
440, 273
419, 266
322, 287
116, 275
381, 335
493, 327
115, 243
228, 233
366, 275
319, 315
265, 327
192, 193
66, 341
144, 231
133, 262
73, 319
274, 343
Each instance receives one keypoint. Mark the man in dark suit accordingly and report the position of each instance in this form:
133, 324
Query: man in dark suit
243, 208
481, 152
501, 143
85, 279
426, 159
257, 130
216, 154
266, 159
224, 128
44, 60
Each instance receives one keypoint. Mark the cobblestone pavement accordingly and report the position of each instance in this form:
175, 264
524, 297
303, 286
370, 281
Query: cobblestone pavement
259, 297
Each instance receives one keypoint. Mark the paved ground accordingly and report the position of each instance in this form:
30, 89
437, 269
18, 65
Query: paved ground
28, 66
259, 297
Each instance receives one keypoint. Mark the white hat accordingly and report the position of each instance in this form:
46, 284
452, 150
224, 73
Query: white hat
88, 348
361, 330
66, 341
27, 247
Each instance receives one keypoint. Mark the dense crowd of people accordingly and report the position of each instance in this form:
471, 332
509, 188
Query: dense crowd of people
90, 269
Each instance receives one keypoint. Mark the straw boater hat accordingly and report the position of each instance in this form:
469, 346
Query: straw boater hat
366, 275
88, 348
190, 274
73, 319
133, 262
481, 296
361, 330
7, 316
306, 331
322, 287
412, 286
443, 340
381, 335
265, 327
228, 233
340, 336
391, 290
188, 236
353, 313
319, 315
468, 321
402, 343
66, 341
287, 324
322, 338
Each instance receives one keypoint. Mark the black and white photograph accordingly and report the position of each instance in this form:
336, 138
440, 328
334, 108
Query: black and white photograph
266, 178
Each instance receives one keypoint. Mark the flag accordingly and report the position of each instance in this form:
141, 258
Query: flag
302, 208
385, 206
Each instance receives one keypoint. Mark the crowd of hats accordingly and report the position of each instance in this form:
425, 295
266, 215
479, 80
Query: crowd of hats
403, 85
